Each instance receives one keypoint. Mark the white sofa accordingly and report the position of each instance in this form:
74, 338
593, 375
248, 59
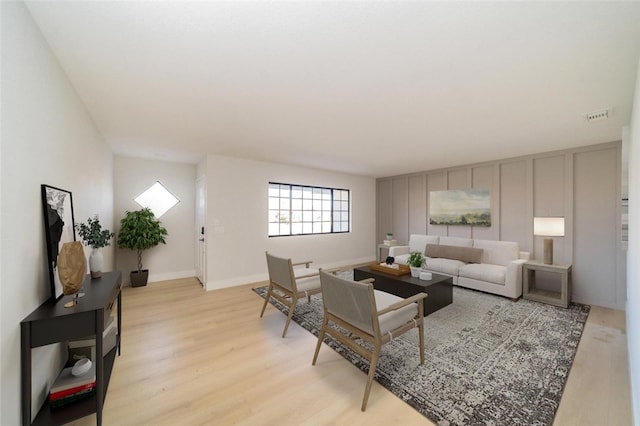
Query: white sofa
491, 266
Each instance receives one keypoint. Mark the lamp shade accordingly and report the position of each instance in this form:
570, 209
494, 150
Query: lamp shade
548, 226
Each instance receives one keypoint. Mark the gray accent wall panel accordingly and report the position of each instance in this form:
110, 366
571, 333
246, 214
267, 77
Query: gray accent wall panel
514, 222
549, 199
548, 186
459, 179
484, 177
581, 184
417, 204
435, 182
384, 201
595, 227
400, 206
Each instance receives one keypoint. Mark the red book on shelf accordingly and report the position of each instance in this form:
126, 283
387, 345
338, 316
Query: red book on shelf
66, 380
66, 400
67, 392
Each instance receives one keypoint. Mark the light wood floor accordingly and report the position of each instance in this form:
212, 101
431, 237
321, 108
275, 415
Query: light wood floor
191, 357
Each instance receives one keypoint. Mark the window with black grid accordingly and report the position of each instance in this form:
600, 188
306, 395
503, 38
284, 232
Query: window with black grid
305, 210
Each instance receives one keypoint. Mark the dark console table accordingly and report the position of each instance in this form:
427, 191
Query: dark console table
439, 287
52, 323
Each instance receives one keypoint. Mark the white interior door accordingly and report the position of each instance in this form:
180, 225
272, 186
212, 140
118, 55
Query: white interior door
201, 247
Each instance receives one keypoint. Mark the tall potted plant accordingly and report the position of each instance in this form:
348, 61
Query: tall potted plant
140, 230
95, 237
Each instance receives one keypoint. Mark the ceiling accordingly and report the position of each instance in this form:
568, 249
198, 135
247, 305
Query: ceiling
368, 88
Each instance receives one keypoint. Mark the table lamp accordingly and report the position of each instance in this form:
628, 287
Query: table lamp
548, 227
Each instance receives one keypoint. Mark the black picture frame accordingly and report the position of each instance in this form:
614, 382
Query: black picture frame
59, 226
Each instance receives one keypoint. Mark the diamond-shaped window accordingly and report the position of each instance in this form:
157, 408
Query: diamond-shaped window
158, 199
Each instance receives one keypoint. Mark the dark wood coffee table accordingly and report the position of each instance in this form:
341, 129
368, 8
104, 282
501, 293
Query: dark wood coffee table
439, 288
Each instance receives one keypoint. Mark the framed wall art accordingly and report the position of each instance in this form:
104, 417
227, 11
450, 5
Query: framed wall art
57, 207
460, 207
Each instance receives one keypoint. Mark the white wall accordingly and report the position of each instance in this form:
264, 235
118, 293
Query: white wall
1, 216
237, 234
176, 259
47, 137
633, 254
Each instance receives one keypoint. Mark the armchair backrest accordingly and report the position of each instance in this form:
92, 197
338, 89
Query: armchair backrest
351, 301
281, 272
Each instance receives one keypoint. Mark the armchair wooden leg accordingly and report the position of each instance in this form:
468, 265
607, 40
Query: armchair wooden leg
421, 338
372, 372
325, 321
294, 301
420, 320
266, 300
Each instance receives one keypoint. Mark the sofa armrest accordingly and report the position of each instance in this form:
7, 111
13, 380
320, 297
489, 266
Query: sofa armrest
513, 276
524, 255
398, 250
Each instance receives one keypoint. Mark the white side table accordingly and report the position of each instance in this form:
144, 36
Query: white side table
530, 292
380, 247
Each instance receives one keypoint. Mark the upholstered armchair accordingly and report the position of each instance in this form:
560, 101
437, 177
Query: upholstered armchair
371, 315
287, 284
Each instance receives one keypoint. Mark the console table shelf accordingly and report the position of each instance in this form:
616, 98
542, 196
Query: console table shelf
53, 323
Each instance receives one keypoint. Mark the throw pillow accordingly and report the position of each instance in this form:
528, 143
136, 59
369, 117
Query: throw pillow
463, 254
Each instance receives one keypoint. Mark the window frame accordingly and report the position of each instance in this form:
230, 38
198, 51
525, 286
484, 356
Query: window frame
309, 209
141, 199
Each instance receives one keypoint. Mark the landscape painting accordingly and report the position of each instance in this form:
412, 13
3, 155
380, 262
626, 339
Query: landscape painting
460, 207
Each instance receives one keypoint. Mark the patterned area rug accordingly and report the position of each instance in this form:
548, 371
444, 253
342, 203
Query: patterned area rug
488, 360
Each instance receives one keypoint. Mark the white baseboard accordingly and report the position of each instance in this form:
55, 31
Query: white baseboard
348, 263
236, 281
172, 275
163, 277
248, 279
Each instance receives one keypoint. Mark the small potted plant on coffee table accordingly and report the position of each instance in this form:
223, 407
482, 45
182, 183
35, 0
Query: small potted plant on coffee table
416, 260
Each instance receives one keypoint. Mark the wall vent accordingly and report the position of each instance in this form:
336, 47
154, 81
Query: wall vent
598, 115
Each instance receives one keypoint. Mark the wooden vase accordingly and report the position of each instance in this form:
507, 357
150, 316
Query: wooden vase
72, 267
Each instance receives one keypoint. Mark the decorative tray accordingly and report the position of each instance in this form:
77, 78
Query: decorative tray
401, 270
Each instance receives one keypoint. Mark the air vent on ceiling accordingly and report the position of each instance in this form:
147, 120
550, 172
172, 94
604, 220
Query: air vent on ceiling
598, 115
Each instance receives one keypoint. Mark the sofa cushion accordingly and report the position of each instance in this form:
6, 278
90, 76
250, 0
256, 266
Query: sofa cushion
484, 272
446, 266
418, 242
464, 254
498, 252
456, 241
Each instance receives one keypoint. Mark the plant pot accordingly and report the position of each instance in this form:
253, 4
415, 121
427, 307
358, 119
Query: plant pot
415, 271
139, 279
96, 261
